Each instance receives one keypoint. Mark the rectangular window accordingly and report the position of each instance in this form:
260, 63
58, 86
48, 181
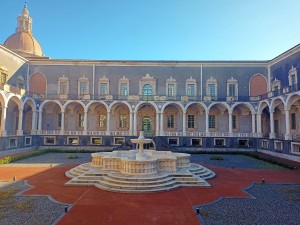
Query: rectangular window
211, 90
231, 89
191, 90
276, 126
59, 120
191, 121
103, 89
63, 87
170, 121
102, 121
123, 121
3, 78
293, 121
123, 89
234, 122
171, 90
83, 88
119, 140
96, 141
80, 120
212, 121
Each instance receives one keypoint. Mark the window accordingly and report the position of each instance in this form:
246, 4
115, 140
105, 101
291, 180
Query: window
191, 121
103, 89
293, 121
21, 82
72, 140
59, 120
212, 121
83, 88
96, 141
191, 90
80, 120
171, 87
170, 121
173, 141
147, 90
232, 88
103, 86
50, 140
234, 122
293, 79
123, 121
123, 89
276, 126
171, 90
63, 87
276, 84
3, 77
102, 121
211, 90
119, 140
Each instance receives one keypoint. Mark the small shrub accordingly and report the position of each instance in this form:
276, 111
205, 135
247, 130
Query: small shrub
25, 206
72, 156
216, 157
5, 160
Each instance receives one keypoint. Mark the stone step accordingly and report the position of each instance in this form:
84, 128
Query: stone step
137, 182
124, 177
137, 186
135, 191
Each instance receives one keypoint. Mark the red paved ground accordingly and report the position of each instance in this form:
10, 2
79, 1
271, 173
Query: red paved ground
94, 206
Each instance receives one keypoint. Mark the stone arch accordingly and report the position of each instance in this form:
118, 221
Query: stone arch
145, 110
120, 114
291, 99
195, 116
14, 105
168, 103
258, 85
119, 102
97, 115
38, 84
50, 110
136, 108
217, 111
242, 114
29, 108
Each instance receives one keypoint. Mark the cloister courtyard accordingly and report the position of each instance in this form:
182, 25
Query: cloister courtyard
243, 192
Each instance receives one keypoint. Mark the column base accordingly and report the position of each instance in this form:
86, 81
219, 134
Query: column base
19, 132
272, 135
33, 132
3, 133
287, 137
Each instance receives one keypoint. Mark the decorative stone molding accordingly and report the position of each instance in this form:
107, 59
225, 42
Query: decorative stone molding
147, 80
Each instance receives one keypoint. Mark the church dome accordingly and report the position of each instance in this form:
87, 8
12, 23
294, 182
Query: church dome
23, 41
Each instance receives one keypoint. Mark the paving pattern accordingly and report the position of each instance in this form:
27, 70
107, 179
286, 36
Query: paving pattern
94, 206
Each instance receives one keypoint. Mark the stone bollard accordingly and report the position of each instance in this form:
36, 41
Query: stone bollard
66, 208
15, 178
197, 211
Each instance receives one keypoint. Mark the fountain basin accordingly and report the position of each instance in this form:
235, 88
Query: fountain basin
152, 162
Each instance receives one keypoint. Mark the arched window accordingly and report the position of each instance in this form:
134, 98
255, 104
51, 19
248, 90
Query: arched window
147, 90
258, 85
146, 123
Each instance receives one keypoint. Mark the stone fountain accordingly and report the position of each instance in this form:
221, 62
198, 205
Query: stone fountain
139, 170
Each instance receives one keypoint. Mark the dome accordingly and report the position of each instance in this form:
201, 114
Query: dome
24, 42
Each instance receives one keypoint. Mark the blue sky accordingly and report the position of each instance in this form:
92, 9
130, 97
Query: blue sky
159, 29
